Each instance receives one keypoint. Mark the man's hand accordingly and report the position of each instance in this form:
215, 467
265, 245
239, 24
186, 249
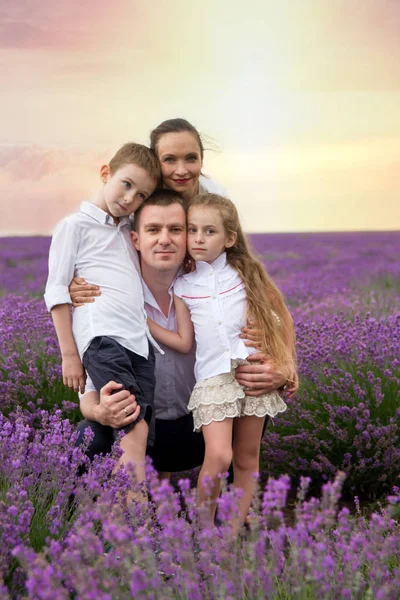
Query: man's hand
116, 410
74, 375
263, 377
81, 292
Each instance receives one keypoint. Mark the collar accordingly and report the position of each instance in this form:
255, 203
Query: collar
204, 268
148, 294
220, 267
91, 210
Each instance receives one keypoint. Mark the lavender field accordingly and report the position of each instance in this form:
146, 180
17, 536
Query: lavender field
338, 444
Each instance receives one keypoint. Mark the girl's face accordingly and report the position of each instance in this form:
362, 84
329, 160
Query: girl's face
180, 159
207, 238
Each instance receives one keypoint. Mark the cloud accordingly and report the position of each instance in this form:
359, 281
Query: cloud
26, 29
39, 186
33, 162
20, 34
47, 24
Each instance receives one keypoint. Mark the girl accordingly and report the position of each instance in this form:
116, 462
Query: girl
227, 287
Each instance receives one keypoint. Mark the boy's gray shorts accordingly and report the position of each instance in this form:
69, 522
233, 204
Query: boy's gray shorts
106, 360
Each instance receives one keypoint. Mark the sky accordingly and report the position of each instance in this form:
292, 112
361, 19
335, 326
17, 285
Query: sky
298, 101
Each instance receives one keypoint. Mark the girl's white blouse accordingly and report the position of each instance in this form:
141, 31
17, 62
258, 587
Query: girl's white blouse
216, 297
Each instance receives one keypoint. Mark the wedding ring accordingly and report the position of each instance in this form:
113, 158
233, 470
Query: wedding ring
126, 412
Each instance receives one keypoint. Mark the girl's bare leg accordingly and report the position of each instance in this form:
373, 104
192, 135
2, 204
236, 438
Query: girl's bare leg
217, 458
246, 458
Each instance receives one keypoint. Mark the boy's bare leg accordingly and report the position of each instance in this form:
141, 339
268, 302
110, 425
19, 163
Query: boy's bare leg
134, 445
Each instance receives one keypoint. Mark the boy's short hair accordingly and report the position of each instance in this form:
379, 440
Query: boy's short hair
139, 155
158, 198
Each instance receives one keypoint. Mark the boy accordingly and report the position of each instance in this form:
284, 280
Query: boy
110, 336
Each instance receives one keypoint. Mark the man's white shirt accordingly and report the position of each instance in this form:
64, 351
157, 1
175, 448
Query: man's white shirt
89, 244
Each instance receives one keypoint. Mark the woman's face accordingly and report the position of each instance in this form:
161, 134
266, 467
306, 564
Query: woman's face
180, 158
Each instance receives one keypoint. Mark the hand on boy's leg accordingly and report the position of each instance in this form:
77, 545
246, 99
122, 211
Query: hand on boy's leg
116, 409
74, 375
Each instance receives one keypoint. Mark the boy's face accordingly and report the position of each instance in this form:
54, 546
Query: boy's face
125, 190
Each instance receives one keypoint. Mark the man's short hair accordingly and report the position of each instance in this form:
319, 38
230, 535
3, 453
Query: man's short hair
136, 154
159, 198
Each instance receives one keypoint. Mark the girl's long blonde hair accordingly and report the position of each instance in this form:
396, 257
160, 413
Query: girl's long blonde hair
265, 303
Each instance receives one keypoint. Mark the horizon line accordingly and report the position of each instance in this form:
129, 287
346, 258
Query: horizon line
5, 235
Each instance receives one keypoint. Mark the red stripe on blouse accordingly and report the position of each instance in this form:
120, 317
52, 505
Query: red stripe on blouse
234, 287
202, 297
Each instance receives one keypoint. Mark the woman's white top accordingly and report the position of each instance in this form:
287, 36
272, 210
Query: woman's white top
216, 297
209, 185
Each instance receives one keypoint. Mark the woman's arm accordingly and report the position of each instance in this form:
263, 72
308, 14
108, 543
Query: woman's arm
182, 340
289, 333
290, 368
251, 335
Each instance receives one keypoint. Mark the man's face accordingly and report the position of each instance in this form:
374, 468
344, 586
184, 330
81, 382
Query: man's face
161, 238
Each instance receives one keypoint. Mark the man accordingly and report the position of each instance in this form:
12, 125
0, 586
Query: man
160, 238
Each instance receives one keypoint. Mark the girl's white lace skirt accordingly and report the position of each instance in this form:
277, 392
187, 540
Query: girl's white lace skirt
219, 397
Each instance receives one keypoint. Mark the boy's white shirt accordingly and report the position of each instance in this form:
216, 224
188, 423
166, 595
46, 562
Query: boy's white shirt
89, 244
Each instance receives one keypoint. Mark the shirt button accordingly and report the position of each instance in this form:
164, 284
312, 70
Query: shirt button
214, 296
226, 349
219, 322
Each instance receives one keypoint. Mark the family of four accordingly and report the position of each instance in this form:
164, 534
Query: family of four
178, 337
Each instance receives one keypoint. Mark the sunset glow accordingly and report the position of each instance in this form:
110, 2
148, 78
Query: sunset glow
301, 98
